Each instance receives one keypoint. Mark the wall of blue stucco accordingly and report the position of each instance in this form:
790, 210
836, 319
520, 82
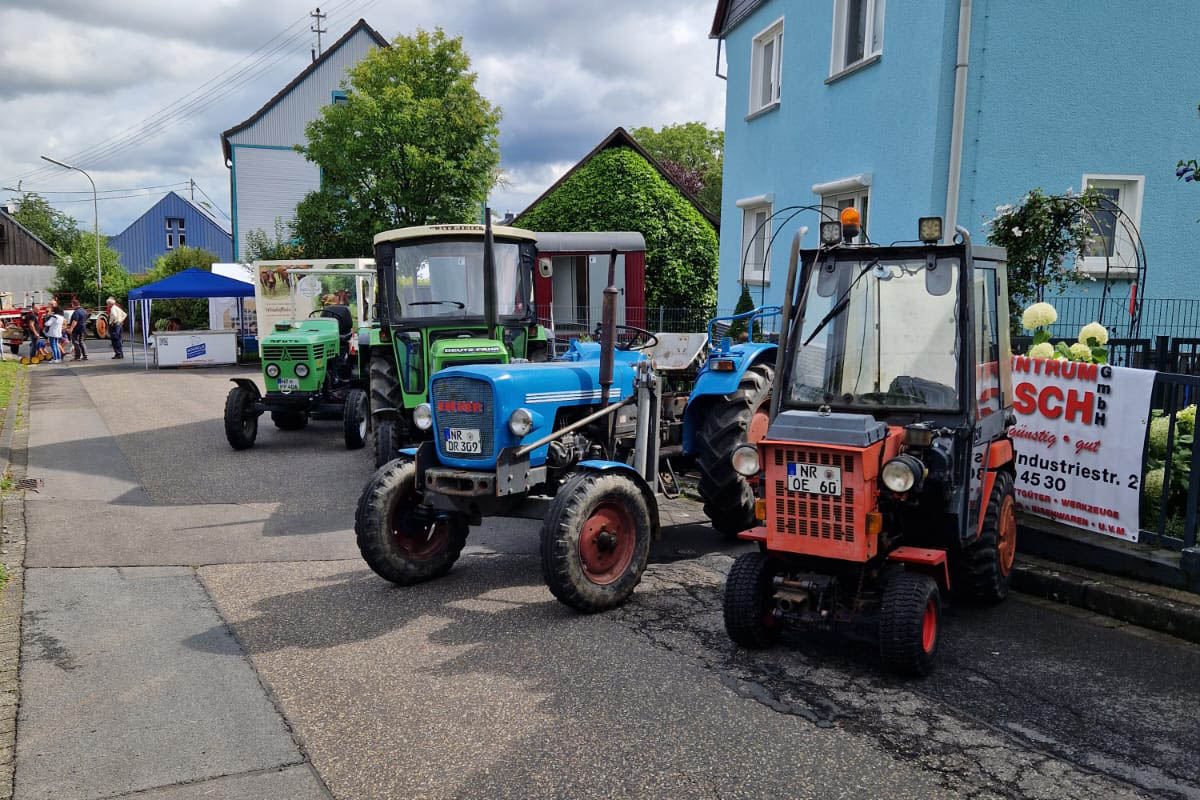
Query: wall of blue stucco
145, 239
1055, 90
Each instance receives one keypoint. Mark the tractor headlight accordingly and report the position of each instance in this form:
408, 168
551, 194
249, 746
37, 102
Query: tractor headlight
520, 422
745, 460
903, 473
272, 370
302, 370
423, 417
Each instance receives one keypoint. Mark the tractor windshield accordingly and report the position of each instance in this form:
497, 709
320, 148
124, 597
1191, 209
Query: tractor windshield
878, 333
444, 278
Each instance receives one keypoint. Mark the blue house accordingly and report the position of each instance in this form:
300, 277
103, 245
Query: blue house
170, 223
866, 103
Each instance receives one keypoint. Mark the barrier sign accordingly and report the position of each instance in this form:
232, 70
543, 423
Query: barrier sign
196, 350
1079, 437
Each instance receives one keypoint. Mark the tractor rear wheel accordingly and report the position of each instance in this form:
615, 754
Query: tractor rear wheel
596, 541
749, 593
386, 392
241, 420
289, 420
728, 497
354, 419
910, 622
983, 569
398, 538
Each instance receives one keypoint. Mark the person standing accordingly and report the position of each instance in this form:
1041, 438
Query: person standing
54, 333
116, 320
78, 330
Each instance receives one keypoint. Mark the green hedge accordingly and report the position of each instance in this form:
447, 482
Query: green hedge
617, 190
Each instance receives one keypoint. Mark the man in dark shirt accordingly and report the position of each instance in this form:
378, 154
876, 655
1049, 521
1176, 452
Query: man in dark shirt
78, 322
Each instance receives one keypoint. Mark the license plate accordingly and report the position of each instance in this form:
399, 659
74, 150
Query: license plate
814, 479
462, 440
288, 384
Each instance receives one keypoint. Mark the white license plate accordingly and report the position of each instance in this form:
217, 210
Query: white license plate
814, 479
462, 440
288, 384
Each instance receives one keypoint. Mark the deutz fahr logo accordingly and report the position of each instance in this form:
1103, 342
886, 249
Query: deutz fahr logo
460, 406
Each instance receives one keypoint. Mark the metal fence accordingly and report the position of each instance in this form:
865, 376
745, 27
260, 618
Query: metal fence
1171, 317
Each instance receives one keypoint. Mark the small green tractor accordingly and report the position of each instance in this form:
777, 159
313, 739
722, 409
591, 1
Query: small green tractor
435, 310
310, 371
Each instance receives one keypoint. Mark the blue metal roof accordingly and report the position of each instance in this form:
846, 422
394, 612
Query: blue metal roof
146, 237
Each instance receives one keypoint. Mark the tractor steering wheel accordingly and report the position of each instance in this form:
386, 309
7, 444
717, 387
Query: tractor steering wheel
642, 339
316, 312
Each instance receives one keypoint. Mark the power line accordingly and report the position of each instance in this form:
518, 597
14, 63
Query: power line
101, 191
211, 201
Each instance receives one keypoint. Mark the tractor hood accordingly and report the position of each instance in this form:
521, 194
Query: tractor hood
309, 331
479, 399
473, 349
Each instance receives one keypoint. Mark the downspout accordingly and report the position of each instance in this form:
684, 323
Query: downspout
960, 112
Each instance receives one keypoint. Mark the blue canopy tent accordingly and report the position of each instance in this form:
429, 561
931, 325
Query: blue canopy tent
191, 283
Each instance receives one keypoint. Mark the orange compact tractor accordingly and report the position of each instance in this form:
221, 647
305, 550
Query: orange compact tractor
885, 478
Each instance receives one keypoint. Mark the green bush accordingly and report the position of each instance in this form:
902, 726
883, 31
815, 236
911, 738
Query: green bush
193, 314
1181, 469
617, 190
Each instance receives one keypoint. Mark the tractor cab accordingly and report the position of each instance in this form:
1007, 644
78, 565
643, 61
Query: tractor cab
886, 469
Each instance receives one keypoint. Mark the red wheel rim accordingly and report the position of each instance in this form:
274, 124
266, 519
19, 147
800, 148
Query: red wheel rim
758, 426
1006, 536
929, 627
418, 539
606, 543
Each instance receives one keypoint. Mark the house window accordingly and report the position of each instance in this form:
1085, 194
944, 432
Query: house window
175, 232
756, 234
339, 97
1119, 214
765, 68
860, 199
857, 33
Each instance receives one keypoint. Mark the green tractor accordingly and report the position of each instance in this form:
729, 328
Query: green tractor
448, 295
310, 370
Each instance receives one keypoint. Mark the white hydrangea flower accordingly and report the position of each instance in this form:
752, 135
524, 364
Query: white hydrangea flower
1093, 330
1043, 350
1017, 232
1038, 315
1080, 352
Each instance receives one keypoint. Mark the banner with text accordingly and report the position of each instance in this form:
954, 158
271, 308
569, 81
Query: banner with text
1079, 437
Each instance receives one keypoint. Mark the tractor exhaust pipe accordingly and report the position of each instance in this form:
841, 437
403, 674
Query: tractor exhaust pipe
608, 340
785, 321
489, 275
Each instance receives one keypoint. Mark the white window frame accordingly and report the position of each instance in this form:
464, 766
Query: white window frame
755, 274
773, 33
830, 201
1123, 261
872, 37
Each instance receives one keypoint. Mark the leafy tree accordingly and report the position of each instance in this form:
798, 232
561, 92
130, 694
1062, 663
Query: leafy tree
75, 271
260, 246
1044, 236
414, 143
192, 313
693, 154
616, 190
55, 228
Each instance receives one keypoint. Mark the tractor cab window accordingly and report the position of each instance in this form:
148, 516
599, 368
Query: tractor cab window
444, 278
879, 334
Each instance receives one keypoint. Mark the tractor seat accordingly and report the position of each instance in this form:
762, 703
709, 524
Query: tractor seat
344, 320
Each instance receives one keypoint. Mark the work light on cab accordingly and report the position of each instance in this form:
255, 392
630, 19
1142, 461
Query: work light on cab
745, 460
831, 232
929, 229
423, 417
520, 422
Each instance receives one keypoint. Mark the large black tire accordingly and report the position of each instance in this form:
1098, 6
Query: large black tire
983, 569
386, 392
749, 601
596, 541
397, 547
728, 498
241, 421
289, 420
354, 419
910, 623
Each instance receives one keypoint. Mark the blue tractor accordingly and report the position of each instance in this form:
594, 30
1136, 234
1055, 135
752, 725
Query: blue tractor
588, 436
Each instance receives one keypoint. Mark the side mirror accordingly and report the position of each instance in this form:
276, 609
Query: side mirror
545, 267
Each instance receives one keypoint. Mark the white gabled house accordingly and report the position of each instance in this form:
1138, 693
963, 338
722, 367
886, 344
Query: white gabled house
267, 177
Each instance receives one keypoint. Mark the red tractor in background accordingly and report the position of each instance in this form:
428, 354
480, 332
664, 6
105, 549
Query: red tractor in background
885, 477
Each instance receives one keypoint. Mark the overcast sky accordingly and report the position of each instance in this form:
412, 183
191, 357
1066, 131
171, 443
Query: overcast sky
75, 73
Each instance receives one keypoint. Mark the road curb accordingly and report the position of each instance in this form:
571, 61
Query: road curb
12, 553
1104, 596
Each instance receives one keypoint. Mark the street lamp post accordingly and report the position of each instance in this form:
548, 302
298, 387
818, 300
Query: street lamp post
96, 212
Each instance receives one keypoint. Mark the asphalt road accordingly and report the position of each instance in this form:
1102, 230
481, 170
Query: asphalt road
480, 684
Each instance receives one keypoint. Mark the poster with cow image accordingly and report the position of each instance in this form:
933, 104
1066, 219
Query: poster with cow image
275, 300
1080, 432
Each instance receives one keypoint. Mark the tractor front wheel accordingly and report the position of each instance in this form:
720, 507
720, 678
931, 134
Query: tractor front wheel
389, 438
241, 420
401, 540
354, 419
983, 569
596, 541
728, 423
289, 420
910, 622
749, 601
